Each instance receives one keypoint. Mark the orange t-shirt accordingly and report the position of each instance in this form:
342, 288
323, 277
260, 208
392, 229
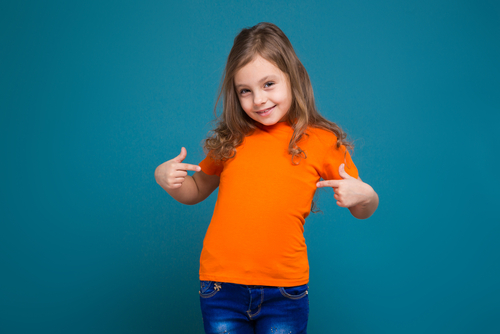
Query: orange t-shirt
256, 235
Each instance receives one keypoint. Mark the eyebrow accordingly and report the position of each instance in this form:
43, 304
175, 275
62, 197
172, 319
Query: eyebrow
272, 76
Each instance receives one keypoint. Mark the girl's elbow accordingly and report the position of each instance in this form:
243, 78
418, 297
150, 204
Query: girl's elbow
361, 215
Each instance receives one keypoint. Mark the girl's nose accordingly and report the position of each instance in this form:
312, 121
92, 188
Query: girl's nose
259, 99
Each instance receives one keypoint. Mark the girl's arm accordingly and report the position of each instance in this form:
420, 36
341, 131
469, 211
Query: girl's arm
368, 201
172, 176
354, 194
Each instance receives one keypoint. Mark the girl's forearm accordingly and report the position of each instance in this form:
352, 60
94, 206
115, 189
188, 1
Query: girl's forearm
367, 208
185, 194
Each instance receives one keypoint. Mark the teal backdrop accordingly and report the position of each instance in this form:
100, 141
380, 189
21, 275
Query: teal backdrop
95, 94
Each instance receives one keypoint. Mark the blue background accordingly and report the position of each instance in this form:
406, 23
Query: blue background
94, 95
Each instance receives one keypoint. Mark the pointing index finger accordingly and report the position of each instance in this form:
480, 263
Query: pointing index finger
328, 183
195, 168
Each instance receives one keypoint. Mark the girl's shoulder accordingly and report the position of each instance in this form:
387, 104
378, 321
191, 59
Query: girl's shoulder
321, 135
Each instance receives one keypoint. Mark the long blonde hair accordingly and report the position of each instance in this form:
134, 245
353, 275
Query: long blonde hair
269, 42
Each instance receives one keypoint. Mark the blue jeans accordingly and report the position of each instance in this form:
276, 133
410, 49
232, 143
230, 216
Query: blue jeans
229, 308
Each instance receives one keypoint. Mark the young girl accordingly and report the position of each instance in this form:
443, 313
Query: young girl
266, 155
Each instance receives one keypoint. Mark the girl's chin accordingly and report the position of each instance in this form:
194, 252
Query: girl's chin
267, 122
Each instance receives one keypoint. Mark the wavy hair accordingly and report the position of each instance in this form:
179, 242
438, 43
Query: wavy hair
269, 42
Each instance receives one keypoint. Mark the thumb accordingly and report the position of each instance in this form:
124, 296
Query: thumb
181, 156
343, 174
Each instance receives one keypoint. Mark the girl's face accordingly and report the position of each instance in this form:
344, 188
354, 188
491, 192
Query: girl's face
264, 91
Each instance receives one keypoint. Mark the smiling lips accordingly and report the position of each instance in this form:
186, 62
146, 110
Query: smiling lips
265, 112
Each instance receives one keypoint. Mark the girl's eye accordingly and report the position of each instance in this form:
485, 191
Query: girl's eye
268, 84
243, 91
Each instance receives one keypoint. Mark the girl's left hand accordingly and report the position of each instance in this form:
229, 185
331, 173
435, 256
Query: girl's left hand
349, 191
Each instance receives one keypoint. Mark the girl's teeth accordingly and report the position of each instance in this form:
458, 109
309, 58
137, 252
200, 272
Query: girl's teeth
263, 112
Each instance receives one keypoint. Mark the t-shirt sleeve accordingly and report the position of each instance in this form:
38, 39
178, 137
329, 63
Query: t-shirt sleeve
210, 166
333, 159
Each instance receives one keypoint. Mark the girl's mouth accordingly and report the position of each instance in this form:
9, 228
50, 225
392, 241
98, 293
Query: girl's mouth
265, 112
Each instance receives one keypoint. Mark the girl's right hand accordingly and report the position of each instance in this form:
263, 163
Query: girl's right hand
171, 174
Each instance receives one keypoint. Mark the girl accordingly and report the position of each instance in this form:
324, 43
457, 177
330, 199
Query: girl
267, 154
